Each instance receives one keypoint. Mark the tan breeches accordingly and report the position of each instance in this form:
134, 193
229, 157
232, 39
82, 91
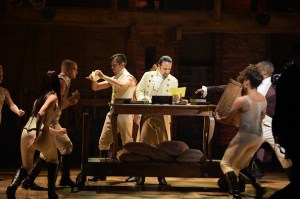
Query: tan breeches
153, 130
27, 154
240, 152
63, 142
45, 144
124, 122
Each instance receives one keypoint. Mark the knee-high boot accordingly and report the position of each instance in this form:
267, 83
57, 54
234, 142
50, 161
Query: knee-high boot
233, 184
248, 176
222, 183
65, 172
15, 183
28, 183
242, 185
52, 174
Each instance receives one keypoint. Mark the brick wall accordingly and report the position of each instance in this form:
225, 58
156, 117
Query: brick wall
28, 51
209, 45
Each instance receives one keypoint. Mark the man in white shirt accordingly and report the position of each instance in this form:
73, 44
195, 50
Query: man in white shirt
123, 85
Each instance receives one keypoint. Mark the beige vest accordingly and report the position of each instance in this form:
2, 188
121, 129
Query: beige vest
67, 80
127, 92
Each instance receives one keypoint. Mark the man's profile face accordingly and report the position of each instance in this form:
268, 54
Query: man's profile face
165, 68
116, 67
72, 72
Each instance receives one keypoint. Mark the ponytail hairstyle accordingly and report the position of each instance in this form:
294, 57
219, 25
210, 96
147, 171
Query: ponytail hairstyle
50, 85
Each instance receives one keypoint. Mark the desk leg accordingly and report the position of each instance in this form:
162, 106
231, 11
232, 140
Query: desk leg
208, 132
81, 177
114, 125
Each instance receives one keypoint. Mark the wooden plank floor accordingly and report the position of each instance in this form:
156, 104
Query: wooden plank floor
116, 187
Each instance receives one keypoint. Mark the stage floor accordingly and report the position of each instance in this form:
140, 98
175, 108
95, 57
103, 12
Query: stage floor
116, 187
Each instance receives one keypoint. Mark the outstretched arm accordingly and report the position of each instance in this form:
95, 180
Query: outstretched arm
210, 89
128, 81
97, 85
11, 104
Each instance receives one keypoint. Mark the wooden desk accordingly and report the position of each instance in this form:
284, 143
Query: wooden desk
179, 110
113, 167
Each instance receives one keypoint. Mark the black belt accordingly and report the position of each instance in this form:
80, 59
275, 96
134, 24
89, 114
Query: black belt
31, 129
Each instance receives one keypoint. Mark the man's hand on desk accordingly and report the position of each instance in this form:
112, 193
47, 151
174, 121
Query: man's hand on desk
183, 101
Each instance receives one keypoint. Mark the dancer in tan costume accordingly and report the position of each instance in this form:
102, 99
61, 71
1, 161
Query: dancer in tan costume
37, 134
69, 71
5, 97
251, 109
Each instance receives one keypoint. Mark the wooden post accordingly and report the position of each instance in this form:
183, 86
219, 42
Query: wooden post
113, 6
218, 9
85, 140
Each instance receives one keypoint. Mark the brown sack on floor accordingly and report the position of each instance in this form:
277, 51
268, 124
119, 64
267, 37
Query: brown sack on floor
124, 155
160, 155
139, 148
191, 155
173, 147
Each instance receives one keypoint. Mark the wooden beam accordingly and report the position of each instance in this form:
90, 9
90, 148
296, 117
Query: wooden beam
218, 9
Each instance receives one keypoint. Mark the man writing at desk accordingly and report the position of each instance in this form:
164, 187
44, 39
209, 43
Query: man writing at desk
155, 129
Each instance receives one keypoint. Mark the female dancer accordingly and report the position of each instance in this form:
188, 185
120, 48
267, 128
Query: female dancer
37, 135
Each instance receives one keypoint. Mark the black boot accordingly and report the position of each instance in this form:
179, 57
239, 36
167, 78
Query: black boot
242, 185
248, 176
65, 172
15, 183
28, 183
233, 184
222, 183
140, 180
52, 174
162, 181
